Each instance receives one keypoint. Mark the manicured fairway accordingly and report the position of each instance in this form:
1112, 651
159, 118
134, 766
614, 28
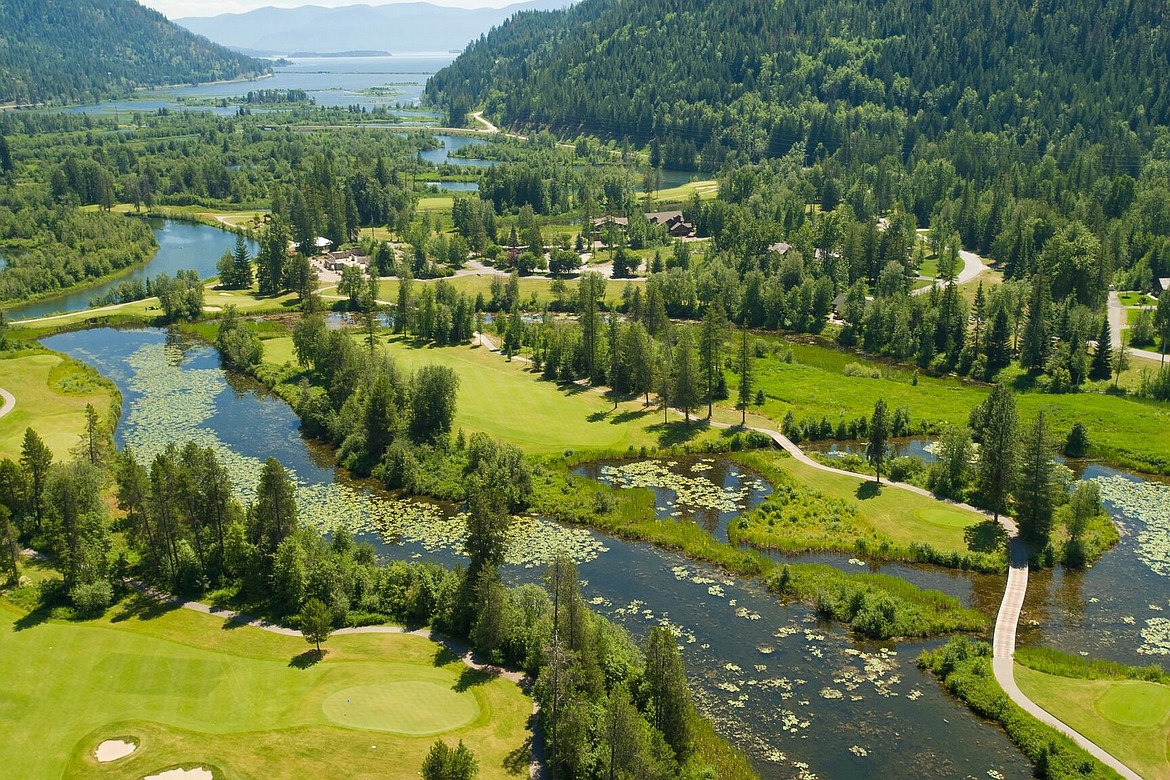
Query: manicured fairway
192, 690
1129, 718
510, 402
903, 516
51, 394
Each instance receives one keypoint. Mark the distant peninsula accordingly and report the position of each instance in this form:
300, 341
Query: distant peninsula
340, 54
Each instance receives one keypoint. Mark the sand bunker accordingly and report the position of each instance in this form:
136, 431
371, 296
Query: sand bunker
113, 749
198, 773
212, 308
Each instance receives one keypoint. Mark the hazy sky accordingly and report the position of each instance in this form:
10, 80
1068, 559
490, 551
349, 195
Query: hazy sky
176, 9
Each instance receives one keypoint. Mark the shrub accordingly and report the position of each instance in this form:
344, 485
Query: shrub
91, 599
861, 370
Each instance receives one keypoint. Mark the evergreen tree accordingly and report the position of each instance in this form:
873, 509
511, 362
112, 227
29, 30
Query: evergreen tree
1162, 323
638, 360
274, 515
1037, 488
241, 265
999, 354
590, 289
1037, 333
712, 340
877, 450
746, 378
669, 698
1102, 366
402, 313
446, 763
37, 459
999, 447
5, 156
686, 391
273, 254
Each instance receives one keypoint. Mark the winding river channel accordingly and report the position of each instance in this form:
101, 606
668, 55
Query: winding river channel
802, 697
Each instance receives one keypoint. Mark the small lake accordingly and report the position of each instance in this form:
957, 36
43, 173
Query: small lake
181, 246
446, 186
331, 81
451, 143
797, 694
915, 448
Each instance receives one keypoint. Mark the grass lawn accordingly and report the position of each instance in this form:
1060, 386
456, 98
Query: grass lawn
1129, 718
900, 515
242, 702
1132, 298
708, 189
1128, 430
51, 394
509, 401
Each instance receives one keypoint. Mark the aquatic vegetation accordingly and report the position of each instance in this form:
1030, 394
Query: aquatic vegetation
691, 492
1148, 503
1157, 637
174, 402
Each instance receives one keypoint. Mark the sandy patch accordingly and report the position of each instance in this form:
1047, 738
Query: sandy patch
113, 749
198, 773
212, 308
225, 295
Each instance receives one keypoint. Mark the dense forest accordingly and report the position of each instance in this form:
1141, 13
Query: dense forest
76, 51
696, 71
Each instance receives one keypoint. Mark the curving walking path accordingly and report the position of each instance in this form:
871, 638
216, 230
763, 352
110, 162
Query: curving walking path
1004, 640
9, 402
973, 265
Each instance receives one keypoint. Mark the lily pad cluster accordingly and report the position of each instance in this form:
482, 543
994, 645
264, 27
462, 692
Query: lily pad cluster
1148, 503
691, 492
173, 402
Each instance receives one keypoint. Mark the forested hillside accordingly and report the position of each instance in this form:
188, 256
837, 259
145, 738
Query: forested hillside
698, 71
70, 51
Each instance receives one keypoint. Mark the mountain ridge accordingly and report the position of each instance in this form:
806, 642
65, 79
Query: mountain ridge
395, 27
73, 51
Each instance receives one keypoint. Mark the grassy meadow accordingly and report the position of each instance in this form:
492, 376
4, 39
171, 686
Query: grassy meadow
508, 400
192, 690
1128, 431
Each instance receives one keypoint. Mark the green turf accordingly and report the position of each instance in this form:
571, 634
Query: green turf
192, 690
1128, 718
511, 402
417, 707
900, 515
1127, 430
51, 394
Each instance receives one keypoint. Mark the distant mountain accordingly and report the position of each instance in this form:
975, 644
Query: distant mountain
397, 27
70, 51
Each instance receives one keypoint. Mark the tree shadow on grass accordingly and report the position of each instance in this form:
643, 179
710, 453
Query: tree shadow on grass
307, 659
139, 606
444, 656
672, 434
32, 619
987, 536
868, 489
516, 762
599, 415
628, 416
572, 388
469, 678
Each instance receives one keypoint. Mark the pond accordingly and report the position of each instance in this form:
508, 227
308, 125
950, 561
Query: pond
331, 81
455, 186
181, 245
1118, 609
451, 143
915, 448
801, 697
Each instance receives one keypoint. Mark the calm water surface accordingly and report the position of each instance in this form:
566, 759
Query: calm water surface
794, 692
181, 246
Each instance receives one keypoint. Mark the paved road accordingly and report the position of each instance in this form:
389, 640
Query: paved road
973, 265
9, 402
1118, 321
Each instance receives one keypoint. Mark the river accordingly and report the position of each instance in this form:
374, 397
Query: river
802, 697
181, 245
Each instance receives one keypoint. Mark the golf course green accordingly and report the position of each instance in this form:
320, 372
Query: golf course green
191, 690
